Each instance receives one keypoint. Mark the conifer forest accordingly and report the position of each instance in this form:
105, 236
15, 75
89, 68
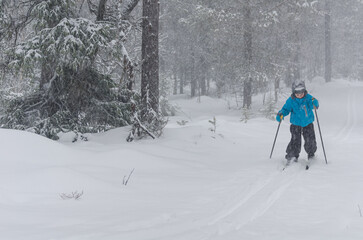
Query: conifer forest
87, 66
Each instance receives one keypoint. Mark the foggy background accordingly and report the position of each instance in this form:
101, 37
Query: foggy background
232, 48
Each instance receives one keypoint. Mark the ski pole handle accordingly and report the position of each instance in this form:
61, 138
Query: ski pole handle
313, 103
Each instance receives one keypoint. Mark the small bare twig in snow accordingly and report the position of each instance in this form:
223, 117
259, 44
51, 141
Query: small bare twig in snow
214, 125
182, 122
125, 181
360, 211
74, 195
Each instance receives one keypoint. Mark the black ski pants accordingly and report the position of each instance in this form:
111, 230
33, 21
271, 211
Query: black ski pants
294, 146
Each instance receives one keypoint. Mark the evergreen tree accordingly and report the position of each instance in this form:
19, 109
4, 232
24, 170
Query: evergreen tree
73, 95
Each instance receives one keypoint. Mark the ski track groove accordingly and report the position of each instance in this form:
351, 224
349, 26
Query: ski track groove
252, 192
253, 204
351, 117
272, 198
256, 202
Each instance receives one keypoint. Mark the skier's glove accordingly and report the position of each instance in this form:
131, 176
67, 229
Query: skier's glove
279, 117
315, 103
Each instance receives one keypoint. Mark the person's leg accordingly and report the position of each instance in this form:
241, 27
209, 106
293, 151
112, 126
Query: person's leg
294, 147
310, 140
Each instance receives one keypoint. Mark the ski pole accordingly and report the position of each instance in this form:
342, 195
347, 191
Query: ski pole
273, 146
321, 137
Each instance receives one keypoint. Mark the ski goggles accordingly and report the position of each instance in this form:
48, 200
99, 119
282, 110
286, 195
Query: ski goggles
299, 91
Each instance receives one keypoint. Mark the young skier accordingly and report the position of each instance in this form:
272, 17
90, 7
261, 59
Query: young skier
300, 104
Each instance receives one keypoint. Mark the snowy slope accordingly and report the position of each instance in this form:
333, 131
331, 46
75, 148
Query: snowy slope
191, 183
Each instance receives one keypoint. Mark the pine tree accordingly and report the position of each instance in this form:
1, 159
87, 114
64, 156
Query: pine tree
73, 94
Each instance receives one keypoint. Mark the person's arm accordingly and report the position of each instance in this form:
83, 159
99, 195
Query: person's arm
286, 109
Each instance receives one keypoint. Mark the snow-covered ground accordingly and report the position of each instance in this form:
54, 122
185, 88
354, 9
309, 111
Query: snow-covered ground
192, 183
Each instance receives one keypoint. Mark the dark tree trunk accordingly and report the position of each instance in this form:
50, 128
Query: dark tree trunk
277, 87
193, 80
203, 85
175, 74
247, 93
150, 53
182, 79
296, 60
328, 61
202, 78
247, 37
101, 10
175, 84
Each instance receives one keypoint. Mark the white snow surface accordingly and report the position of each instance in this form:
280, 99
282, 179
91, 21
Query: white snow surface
192, 183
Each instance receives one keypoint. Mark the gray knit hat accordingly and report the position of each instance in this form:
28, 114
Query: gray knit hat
298, 87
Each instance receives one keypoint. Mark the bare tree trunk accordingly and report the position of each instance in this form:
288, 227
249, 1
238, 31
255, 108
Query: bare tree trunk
193, 80
150, 53
175, 75
175, 84
247, 36
247, 93
202, 78
101, 10
277, 87
296, 61
182, 79
328, 61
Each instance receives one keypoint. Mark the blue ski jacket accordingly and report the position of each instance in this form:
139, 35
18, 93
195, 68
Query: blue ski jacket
301, 109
